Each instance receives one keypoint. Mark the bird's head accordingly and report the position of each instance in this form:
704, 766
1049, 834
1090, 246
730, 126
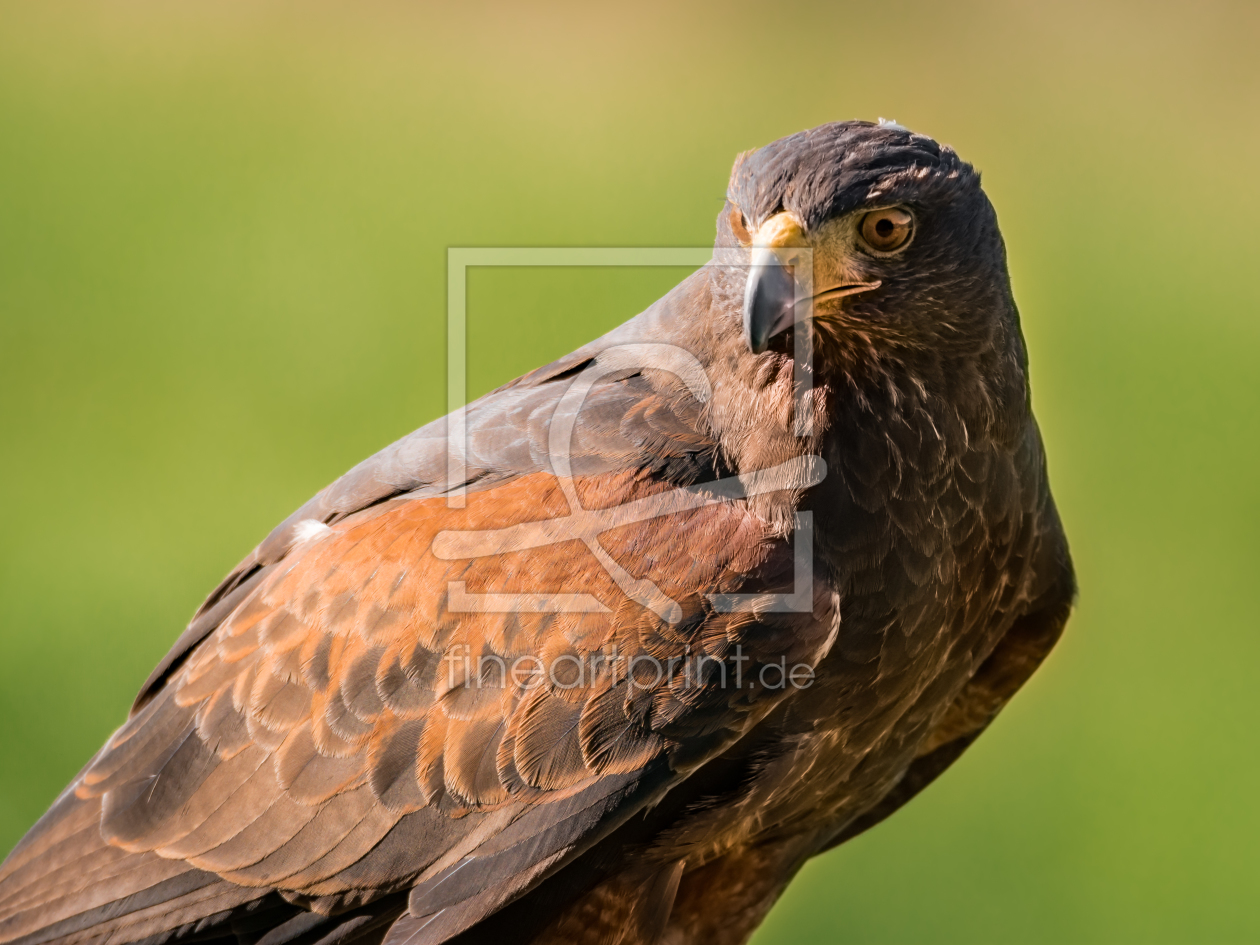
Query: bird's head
905, 250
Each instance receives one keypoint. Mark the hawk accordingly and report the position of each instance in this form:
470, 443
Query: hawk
607, 655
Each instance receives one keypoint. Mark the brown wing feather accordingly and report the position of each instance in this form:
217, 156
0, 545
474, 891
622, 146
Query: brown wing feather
330, 727
344, 734
65, 883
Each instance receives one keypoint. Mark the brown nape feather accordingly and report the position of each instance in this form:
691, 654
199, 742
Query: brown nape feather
519, 695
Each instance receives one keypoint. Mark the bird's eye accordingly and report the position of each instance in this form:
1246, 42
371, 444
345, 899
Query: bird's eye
887, 230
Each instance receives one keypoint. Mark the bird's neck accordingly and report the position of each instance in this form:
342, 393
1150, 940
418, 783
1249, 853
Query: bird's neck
765, 411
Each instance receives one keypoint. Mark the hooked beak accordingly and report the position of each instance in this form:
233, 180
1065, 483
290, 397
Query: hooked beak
770, 303
769, 298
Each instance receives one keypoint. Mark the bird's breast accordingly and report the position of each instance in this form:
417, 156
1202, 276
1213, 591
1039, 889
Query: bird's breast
925, 545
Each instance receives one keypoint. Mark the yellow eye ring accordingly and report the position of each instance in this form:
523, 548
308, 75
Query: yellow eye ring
887, 230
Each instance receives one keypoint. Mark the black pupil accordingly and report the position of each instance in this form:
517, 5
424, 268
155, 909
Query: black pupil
885, 228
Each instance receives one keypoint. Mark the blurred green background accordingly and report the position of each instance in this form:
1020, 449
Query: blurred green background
223, 230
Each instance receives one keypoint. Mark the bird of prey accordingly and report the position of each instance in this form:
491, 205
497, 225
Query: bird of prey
607, 655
